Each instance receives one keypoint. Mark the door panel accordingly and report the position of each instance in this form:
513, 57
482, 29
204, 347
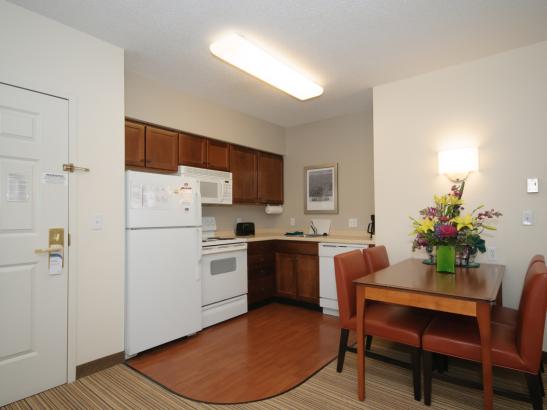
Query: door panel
218, 155
33, 198
270, 178
192, 150
307, 278
134, 144
162, 149
244, 172
285, 275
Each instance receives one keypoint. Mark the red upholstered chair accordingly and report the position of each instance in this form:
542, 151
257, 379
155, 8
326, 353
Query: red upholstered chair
376, 258
508, 316
391, 322
516, 347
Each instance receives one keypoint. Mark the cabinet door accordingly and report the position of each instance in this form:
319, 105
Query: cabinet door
307, 278
218, 155
162, 149
244, 174
285, 277
134, 144
192, 150
270, 178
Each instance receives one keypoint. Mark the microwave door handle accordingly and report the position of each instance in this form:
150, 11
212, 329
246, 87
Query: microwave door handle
221, 197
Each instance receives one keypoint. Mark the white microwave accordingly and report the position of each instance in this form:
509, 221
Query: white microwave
215, 187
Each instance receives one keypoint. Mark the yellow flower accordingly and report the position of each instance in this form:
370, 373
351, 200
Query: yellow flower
454, 200
440, 200
425, 225
463, 222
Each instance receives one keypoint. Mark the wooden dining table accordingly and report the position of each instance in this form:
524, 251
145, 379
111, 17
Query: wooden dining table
469, 292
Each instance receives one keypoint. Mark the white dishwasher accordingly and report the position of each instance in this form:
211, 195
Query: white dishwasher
328, 299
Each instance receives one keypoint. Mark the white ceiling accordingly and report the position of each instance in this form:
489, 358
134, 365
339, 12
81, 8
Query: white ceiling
346, 46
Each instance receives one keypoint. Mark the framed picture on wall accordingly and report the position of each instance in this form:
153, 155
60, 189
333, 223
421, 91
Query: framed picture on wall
321, 189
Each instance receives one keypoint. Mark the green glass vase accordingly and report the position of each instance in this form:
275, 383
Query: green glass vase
446, 259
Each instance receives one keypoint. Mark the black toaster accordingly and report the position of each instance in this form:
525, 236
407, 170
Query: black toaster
245, 228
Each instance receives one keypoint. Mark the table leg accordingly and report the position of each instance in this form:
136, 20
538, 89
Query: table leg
361, 295
499, 298
483, 319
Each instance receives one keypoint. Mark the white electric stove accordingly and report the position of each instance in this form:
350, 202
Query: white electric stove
224, 275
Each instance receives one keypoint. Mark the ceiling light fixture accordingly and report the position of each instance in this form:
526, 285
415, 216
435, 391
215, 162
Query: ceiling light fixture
241, 53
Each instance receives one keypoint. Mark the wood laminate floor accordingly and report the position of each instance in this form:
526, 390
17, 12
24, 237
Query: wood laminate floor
258, 355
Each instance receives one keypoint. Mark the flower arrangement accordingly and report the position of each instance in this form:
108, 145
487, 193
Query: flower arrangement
445, 225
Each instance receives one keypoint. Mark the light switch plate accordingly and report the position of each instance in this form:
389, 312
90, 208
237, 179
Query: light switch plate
292, 222
532, 185
527, 217
238, 220
97, 222
352, 222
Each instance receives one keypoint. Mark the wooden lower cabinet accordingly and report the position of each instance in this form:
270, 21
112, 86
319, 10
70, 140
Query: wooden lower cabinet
285, 275
261, 271
307, 278
297, 274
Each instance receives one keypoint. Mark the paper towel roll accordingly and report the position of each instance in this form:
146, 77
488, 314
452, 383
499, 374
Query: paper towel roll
274, 209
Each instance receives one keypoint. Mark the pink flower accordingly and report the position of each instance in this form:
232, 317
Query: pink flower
446, 231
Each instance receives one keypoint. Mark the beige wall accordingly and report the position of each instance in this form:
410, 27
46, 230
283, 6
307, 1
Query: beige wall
346, 140
496, 103
43, 55
150, 101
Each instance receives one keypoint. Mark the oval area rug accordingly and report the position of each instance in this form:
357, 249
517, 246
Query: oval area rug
261, 354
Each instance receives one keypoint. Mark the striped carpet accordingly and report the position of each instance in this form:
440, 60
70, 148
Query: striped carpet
388, 387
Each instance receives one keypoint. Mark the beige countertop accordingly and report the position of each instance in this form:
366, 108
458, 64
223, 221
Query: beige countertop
351, 239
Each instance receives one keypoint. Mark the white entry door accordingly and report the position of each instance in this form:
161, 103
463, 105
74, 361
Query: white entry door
33, 199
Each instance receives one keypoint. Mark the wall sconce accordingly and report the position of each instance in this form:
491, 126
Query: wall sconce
456, 164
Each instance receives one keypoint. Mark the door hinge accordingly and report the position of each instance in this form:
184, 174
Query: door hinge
68, 239
70, 167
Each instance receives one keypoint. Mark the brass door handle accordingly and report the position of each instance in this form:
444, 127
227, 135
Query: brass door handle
52, 248
70, 167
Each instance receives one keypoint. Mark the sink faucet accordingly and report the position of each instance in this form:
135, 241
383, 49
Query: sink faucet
313, 228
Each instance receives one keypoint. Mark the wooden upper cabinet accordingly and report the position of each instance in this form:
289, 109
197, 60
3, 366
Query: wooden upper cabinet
243, 164
134, 144
218, 155
162, 149
270, 178
192, 150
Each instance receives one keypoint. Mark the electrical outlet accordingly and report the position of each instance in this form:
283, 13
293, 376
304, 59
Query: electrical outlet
491, 253
292, 222
352, 222
238, 220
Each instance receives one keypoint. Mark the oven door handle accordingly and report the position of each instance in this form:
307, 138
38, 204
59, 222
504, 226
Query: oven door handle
223, 249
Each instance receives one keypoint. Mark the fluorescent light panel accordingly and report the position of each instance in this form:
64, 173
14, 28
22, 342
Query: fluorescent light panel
239, 52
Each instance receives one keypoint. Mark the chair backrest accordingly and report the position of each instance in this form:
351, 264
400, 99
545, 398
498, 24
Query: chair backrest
535, 259
531, 316
376, 258
348, 266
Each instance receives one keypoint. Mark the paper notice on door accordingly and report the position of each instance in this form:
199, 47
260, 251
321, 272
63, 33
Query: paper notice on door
56, 263
154, 196
186, 194
18, 189
135, 196
54, 178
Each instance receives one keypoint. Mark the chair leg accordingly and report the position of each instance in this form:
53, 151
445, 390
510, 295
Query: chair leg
416, 361
344, 334
534, 388
369, 342
428, 367
540, 378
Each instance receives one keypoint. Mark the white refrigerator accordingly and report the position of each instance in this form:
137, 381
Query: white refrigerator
163, 253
